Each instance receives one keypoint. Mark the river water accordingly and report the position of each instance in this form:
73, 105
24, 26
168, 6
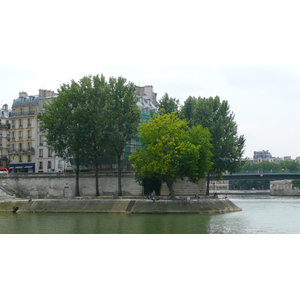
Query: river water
260, 215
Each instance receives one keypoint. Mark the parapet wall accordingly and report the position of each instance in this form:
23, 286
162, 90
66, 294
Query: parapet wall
62, 185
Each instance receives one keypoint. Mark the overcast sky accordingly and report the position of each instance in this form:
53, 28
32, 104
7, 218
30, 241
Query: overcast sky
246, 52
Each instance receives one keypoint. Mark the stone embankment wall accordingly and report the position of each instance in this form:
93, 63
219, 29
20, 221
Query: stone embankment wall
62, 185
283, 188
209, 205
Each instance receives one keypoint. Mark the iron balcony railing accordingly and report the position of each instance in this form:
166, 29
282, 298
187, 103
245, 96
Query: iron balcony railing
24, 113
18, 151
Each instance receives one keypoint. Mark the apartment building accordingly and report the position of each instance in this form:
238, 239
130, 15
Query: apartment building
28, 150
4, 136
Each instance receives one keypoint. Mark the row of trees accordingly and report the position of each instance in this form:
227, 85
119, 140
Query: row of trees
215, 115
93, 118
266, 166
90, 119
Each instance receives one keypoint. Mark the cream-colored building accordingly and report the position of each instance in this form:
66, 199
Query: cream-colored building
28, 150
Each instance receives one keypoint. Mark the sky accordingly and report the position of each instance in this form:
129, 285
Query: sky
246, 52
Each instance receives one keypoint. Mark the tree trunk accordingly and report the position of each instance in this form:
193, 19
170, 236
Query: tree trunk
170, 187
77, 194
119, 176
97, 177
207, 184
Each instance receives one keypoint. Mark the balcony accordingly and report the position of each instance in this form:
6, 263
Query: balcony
22, 151
24, 113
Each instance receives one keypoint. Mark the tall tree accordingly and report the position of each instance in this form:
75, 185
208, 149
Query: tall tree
188, 109
123, 118
64, 124
168, 104
96, 92
170, 150
228, 146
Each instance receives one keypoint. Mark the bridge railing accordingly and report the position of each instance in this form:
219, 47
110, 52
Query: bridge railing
267, 172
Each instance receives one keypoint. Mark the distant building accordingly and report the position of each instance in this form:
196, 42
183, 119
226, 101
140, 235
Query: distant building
263, 155
147, 93
4, 136
216, 186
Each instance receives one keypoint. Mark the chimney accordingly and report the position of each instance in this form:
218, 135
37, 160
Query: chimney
23, 94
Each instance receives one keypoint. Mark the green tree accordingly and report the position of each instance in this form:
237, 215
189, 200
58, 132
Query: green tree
188, 110
123, 119
168, 104
170, 150
296, 183
228, 146
96, 92
289, 165
64, 124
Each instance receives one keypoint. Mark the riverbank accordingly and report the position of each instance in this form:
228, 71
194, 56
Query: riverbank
137, 206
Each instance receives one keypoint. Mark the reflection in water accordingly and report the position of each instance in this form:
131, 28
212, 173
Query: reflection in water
259, 215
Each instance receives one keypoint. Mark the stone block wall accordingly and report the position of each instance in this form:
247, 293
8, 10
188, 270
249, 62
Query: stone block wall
62, 185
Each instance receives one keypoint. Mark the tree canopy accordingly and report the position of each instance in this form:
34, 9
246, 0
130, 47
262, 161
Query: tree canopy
64, 123
91, 118
228, 146
123, 119
171, 150
168, 104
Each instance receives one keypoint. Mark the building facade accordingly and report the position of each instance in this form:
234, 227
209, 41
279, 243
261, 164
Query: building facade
29, 151
4, 136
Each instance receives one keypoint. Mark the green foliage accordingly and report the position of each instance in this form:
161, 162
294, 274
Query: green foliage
91, 118
271, 167
168, 104
215, 115
65, 123
123, 118
188, 110
296, 183
170, 150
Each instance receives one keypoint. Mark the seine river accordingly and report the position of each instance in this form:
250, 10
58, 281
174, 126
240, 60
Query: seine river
260, 215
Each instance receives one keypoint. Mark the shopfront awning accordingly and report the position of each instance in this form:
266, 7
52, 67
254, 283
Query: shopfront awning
19, 167
27, 167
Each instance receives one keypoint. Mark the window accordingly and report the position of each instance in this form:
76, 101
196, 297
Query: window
0, 132
13, 123
29, 134
21, 111
41, 153
40, 165
20, 158
20, 147
13, 135
41, 140
49, 164
29, 146
49, 152
20, 135
20, 123
28, 122
28, 158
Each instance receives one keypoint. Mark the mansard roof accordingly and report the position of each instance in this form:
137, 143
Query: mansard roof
26, 101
